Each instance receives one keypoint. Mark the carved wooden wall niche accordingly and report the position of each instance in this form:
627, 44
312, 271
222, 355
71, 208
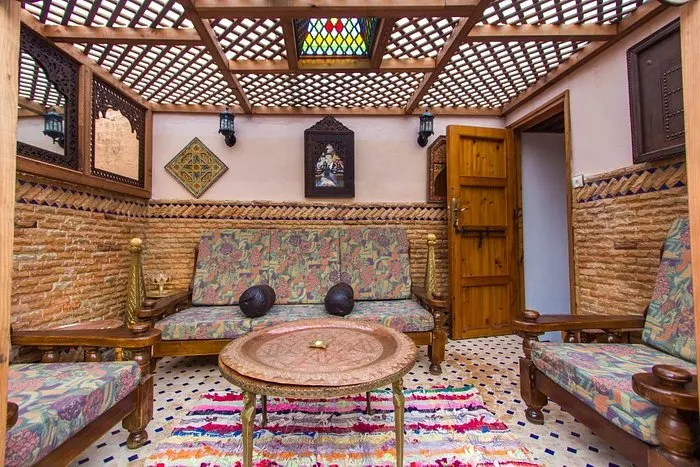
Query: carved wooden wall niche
48, 79
118, 136
437, 171
656, 95
329, 160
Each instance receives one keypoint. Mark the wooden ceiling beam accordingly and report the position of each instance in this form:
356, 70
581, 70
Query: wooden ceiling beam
320, 65
543, 32
212, 44
32, 23
35, 107
290, 43
460, 32
331, 8
381, 41
281, 111
122, 35
630, 23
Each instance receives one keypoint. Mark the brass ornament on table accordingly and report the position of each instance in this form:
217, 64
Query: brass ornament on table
318, 344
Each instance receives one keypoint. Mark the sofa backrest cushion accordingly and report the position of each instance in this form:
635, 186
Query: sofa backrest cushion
374, 261
304, 264
670, 325
230, 261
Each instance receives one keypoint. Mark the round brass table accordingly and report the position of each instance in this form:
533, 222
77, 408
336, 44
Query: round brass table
317, 359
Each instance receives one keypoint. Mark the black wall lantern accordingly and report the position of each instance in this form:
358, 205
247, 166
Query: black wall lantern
425, 129
53, 126
226, 127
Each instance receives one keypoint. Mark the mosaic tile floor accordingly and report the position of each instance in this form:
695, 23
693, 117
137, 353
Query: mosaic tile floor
490, 364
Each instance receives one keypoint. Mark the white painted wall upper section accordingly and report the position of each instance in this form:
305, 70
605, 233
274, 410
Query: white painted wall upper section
267, 162
601, 135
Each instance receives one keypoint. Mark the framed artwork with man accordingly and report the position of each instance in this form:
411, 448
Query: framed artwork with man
329, 160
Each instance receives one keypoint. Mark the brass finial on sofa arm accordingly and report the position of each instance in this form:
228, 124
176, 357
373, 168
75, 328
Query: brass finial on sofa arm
430, 280
136, 292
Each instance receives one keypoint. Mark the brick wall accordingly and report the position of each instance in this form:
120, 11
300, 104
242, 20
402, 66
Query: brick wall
620, 221
174, 228
70, 252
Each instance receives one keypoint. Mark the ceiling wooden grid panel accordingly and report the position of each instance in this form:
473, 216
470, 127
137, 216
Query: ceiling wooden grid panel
173, 52
419, 37
352, 90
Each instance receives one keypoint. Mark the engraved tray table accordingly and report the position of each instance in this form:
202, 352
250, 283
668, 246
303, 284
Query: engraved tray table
314, 359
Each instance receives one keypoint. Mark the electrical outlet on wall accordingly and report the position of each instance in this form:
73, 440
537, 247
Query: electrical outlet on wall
577, 181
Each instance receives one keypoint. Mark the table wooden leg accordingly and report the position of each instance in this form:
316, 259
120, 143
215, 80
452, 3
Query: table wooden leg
397, 387
368, 410
247, 419
264, 410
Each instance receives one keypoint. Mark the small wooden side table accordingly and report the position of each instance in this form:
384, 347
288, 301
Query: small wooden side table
317, 359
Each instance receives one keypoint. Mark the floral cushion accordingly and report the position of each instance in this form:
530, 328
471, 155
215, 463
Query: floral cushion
230, 261
374, 261
205, 322
279, 314
670, 325
600, 375
404, 315
56, 400
304, 264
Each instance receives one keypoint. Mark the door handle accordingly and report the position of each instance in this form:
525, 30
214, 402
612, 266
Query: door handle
455, 214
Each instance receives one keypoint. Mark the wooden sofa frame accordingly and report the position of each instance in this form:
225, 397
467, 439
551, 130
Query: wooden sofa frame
672, 389
135, 410
152, 310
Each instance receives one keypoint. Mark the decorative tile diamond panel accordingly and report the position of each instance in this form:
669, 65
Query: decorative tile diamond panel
331, 90
196, 167
489, 74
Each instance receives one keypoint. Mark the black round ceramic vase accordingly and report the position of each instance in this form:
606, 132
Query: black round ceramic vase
257, 300
339, 299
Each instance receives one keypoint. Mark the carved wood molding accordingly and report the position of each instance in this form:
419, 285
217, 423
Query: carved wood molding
105, 97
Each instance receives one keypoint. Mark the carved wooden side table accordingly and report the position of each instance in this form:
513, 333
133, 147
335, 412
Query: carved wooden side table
317, 359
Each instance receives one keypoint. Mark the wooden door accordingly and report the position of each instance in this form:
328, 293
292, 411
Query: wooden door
484, 286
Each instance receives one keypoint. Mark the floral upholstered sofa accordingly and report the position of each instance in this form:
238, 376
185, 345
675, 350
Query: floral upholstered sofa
300, 265
642, 398
56, 410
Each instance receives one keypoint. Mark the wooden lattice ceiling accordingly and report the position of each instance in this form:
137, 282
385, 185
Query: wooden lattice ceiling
454, 56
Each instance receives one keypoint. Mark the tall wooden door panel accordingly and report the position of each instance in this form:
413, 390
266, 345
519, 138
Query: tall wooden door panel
481, 189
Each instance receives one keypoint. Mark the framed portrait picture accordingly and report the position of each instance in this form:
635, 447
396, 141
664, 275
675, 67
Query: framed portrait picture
329, 160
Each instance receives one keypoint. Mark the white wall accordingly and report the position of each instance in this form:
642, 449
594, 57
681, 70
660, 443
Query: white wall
267, 162
545, 230
601, 134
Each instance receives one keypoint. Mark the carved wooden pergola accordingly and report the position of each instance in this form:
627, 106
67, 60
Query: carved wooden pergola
461, 57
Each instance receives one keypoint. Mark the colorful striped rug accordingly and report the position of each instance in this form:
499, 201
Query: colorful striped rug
444, 427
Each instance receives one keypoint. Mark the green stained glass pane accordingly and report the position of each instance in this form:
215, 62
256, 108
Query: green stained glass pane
335, 37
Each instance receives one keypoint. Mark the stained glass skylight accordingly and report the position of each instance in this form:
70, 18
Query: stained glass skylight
335, 37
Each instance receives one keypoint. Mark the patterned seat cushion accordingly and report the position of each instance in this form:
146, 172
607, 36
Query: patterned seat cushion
304, 264
374, 261
56, 400
600, 375
228, 322
205, 322
403, 315
670, 324
228, 262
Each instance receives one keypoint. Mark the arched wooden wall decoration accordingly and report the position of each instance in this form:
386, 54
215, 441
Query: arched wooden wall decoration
105, 97
437, 171
62, 72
